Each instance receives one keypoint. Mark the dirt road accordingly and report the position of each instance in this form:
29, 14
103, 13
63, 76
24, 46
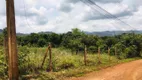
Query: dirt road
125, 71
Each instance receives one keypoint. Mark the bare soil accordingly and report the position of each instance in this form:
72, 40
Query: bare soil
126, 71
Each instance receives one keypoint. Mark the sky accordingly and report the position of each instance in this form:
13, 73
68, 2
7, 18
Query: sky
61, 16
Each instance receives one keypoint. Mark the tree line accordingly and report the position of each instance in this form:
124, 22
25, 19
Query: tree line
128, 44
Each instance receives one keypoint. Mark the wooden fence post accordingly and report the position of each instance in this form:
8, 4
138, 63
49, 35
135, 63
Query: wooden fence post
85, 53
45, 57
99, 52
115, 52
50, 57
109, 54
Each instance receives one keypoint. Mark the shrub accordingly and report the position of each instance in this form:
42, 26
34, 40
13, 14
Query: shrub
66, 62
22, 61
3, 66
130, 52
93, 49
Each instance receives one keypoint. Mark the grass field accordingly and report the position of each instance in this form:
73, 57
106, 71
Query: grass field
65, 63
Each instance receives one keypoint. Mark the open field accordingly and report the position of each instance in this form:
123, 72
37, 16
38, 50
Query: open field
65, 63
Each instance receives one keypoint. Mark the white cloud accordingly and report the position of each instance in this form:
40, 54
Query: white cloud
62, 15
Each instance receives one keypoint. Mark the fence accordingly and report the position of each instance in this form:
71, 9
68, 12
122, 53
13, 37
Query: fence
49, 50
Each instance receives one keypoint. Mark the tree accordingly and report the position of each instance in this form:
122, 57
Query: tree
89, 40
41, 42
101, 43
55, 39
130, 52
75, 44
110, 41
120, 50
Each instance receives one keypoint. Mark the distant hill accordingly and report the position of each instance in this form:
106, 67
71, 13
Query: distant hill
18, 34
112, 33
45, 32
103, 33
21, 34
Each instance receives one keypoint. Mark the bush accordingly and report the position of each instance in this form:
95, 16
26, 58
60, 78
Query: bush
67, 62
93, 49
22, 59
130, 52
3, 65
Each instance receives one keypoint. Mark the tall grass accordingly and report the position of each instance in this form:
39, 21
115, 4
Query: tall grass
65, 64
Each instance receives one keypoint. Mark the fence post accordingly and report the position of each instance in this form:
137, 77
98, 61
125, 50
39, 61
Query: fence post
99, 61
85, 53
115, 52
109, 53
45, 57
50, 57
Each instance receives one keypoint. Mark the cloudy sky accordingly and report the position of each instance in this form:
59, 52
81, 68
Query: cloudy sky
62, 15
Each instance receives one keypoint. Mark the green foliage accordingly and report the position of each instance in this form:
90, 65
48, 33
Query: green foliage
3, 66
22, 59
67, 62
77, 32
76, 39
130, 51
30, 53
45, 76
89, 40
64, 63
41, 42
93, 49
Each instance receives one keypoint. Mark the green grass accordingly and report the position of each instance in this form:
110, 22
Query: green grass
76, 72
65, 64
